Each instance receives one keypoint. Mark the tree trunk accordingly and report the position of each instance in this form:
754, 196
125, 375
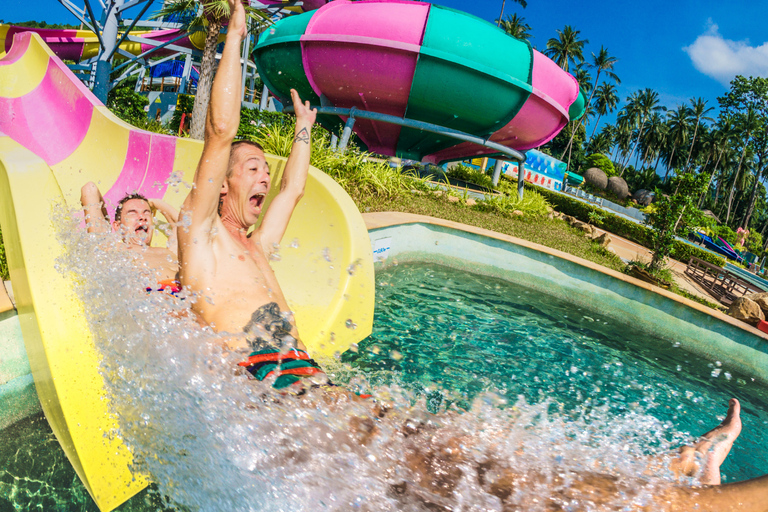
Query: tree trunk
709, 183
204, 83
597, 121
752, 199
692, 142
733, 186
671, 157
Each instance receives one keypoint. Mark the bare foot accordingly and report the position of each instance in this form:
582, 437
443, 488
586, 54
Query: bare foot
717, 443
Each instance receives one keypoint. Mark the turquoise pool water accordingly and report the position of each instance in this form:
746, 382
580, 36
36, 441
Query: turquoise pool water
453, 334
450, 336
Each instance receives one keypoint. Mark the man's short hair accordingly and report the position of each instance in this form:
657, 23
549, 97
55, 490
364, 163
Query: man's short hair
121, 203
233, 151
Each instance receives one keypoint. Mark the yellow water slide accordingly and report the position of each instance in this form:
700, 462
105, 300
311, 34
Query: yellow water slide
55, 136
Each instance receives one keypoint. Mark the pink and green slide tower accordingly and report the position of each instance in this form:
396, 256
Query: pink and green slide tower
419, 62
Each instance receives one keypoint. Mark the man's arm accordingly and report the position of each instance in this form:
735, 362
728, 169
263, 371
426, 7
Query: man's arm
221, 124
171, 215
279, 213
96, 216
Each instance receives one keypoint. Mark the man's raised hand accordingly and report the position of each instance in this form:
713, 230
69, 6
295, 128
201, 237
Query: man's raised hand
304, 114
237, 23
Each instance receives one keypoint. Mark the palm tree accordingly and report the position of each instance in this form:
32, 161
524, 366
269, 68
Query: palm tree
567, 49
210, 16
606, 100
698, 110
654, 137
639, 107
602, 62
678, 122
523, 3
516, 27
747, 124
602, 142
718, 142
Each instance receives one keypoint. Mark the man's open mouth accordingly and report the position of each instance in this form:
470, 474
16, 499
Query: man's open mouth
142, 229
257, 200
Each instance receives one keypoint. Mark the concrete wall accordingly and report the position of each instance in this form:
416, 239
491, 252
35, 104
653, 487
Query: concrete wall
634, 304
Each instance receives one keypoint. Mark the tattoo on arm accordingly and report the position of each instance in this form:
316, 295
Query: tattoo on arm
302, 136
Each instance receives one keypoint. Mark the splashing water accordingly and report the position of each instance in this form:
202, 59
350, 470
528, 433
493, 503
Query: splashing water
213, 440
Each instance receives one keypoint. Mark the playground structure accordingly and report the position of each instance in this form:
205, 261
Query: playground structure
418, 81
94, 49
59, 137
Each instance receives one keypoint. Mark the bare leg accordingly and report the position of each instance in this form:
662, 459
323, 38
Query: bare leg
714, 446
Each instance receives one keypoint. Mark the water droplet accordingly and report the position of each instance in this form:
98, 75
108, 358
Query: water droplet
350, 324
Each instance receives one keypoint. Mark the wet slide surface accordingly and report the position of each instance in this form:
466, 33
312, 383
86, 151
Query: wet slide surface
55, 136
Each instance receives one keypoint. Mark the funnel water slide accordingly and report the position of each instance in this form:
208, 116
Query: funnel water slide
421, 62
55, 136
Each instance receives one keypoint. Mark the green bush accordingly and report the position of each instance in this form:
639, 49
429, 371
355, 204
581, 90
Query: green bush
129, 105
633, 231
470, 175
602, 162
532, 204
184, 104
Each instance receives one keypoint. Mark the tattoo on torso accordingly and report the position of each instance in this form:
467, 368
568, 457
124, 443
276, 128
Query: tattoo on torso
302, 136
268, 328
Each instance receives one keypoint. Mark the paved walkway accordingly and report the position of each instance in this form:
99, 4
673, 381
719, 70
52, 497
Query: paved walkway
629, 251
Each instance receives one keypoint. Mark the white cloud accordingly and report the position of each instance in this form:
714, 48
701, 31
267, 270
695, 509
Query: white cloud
723, 59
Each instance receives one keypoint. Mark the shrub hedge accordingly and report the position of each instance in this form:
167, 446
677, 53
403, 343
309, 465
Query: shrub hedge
622, 227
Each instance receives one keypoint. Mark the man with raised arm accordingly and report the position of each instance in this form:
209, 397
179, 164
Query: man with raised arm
220, 261
134, 221
237, 293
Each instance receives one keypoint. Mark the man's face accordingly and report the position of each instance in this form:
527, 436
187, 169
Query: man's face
136, 222
246, 189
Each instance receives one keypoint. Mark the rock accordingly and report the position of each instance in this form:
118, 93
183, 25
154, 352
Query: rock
618, 187
518, 213
551, 215
643, 197
417, 192
586, 228
437, 193
453, 199
604, 240
558, 215
471, 202
761, 299
550, 209
596, 178
746, 310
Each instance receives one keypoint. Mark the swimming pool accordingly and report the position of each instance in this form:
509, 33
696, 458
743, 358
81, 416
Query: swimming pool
450, 336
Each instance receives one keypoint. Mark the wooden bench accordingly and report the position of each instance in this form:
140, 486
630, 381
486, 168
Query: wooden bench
720, 283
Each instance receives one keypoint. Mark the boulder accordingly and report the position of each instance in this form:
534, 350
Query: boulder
453, 199
471, 202
618, 187
643, 197
437, 193
761, 299
596, 178
746, 310
517, 213
604, 240
586, 228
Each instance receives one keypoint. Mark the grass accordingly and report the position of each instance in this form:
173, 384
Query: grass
552, 233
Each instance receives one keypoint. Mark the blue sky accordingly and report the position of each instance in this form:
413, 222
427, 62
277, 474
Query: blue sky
680, 48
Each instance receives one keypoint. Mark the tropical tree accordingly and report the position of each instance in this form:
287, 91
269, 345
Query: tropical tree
515, 26
606, 101
653, 138
746, 125
678, 121
210, 16
567, 49
603, 62
647, 102
717, 141
744, 95
699, 110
